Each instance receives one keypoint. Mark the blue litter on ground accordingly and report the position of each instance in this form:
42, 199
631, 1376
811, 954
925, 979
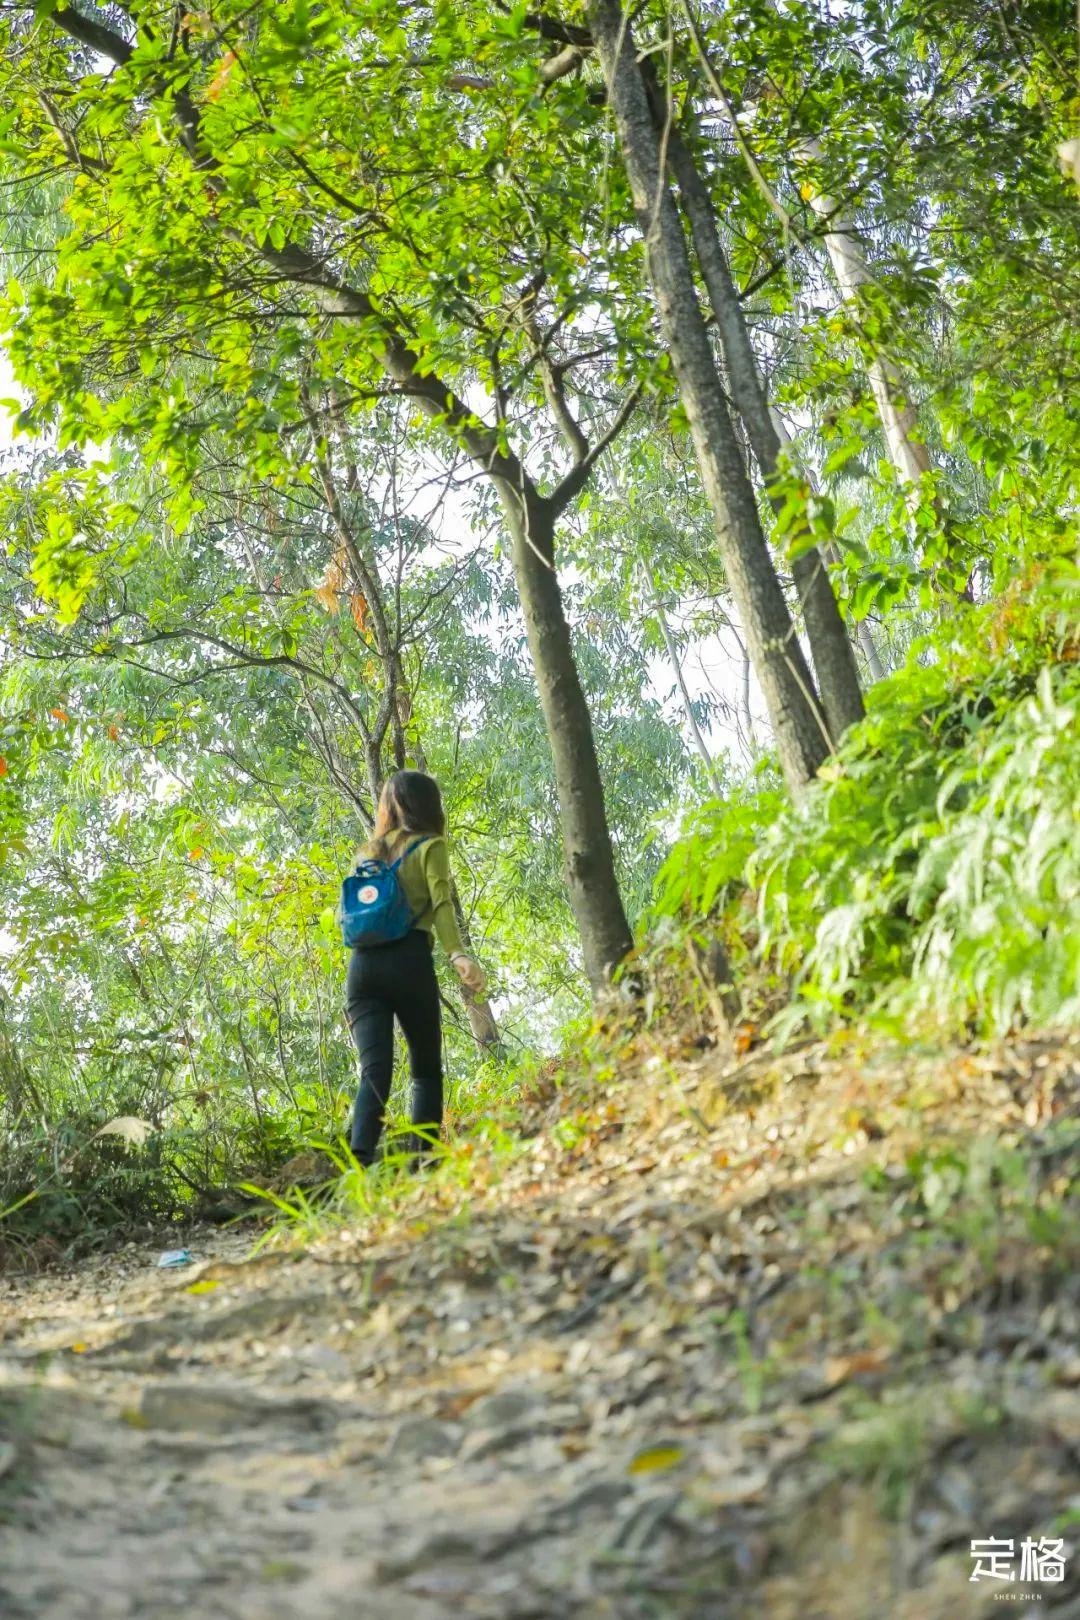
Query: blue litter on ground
176, 1257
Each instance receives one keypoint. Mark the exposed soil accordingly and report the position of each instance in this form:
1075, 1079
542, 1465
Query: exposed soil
776, 1337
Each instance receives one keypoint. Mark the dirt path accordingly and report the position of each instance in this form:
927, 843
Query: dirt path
779, 1338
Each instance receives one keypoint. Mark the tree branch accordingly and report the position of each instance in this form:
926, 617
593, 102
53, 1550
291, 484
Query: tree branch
578, 476
88, 31
80, 159
552, 378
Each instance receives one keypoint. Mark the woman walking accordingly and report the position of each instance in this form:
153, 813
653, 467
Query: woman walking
397, 980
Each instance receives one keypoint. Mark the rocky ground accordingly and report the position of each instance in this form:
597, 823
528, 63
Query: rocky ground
724, 1337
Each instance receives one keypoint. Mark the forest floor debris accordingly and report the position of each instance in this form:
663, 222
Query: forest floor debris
780, 1335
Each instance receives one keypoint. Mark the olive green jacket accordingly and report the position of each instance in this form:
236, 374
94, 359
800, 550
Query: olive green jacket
425, 877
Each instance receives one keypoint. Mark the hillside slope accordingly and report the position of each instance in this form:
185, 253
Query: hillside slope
725, 1336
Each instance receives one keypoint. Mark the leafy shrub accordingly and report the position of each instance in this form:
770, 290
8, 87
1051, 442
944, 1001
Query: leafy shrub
934, 867
79, 1178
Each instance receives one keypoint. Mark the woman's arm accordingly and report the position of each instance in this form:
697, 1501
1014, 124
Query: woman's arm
435, 860
436, 863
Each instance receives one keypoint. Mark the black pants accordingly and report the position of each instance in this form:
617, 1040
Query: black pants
384, 982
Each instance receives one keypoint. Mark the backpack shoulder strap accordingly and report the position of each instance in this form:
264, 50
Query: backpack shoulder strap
407, 852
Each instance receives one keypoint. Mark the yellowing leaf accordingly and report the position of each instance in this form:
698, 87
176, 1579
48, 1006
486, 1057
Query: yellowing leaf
333, 584
654, 1459
221, 77
838, 1369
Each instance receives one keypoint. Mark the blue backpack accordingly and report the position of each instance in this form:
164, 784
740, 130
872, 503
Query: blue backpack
373, 909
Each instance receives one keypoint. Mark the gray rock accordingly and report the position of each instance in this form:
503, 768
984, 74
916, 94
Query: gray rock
600, 1494
441, 1546
222, 1408
638, 1527
493, 1442
325, 1358
417, 1438
1059, 1410
505, 1409
956, 1489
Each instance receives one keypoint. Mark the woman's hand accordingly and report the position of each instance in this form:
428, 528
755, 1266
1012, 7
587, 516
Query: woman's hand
470, 973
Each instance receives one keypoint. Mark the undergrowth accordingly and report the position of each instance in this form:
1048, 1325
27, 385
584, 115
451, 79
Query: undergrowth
99, 1174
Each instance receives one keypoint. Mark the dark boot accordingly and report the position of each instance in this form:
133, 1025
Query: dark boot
422, 1144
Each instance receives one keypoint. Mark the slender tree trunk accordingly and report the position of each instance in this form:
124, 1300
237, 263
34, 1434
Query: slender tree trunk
684, 691
866, 639
830, 648
590, 865
870, 652
794, 708
651, 596
898, 415
745, 713
478, 1009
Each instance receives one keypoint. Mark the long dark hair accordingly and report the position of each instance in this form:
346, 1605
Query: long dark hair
410, 802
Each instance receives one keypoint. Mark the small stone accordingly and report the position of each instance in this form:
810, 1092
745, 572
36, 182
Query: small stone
492, 1442
1059, 1410
505, 1408
418, 1438
956, 1489
440, 1547
323, 1357
601, 1493
1066, 1371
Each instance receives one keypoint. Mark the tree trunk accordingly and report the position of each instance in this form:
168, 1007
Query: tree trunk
862, 629
590, 866
684, 691
830, 648
745, 715
898, 416
794, 709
